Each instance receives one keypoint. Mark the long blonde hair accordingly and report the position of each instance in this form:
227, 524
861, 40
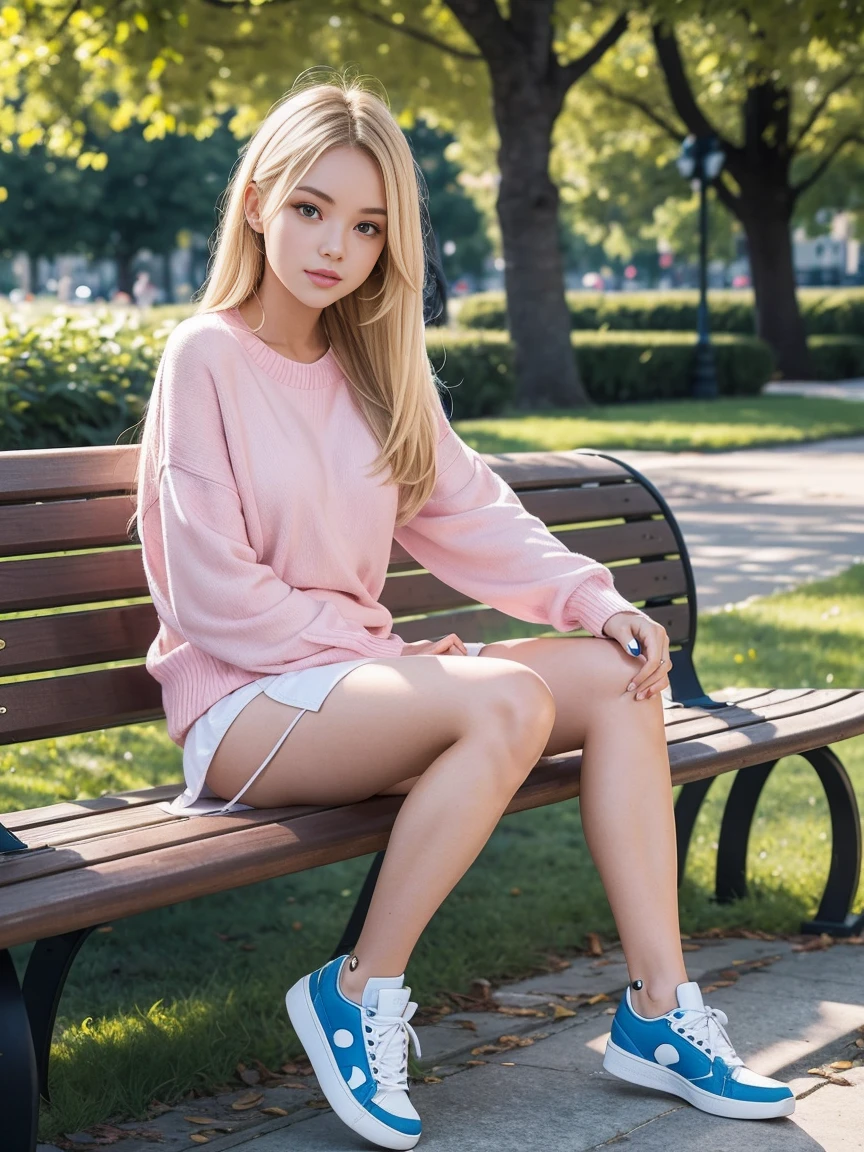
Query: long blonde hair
377, 331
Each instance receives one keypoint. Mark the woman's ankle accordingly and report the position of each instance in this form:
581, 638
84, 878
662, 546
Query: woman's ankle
655, 1001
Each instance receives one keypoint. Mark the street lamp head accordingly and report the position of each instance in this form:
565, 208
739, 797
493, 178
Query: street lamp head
713, 162
686, 161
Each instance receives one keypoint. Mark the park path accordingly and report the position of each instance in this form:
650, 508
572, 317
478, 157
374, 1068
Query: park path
762, 520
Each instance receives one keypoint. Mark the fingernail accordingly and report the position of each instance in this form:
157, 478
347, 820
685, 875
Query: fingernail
630, 687
640, 695
633, 645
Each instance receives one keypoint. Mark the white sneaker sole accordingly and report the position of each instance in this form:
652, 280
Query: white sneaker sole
639, 1071
306, 1024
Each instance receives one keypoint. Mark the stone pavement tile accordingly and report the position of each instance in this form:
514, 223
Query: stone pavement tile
498, 1109
830, 1119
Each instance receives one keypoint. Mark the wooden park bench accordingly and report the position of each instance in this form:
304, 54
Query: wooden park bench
69, 867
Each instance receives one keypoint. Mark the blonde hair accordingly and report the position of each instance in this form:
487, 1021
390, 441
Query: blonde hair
377, 331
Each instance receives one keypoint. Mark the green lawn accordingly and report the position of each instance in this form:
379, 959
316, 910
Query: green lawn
173, 999
670, 425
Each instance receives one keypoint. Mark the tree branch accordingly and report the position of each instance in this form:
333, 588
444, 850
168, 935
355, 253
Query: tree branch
727, 197
416, 34
642, 105
669, 56
821, 168
820, 108
568, 74
484, 24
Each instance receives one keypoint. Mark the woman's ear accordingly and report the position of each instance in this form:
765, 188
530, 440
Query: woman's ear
252, 206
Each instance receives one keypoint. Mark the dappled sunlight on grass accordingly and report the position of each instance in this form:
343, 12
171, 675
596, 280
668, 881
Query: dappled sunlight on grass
670, 425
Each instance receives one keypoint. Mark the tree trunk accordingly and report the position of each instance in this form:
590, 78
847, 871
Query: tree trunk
527, 205
167, 278
124, 271
778, 316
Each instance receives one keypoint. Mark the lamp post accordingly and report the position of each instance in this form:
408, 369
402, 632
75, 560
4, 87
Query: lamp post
701, 160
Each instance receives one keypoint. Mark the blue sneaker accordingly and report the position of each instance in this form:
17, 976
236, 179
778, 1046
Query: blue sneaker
687, 1052
360, 1053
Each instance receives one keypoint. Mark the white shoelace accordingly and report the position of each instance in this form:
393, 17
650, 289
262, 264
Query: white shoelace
389, 1057
706, 1024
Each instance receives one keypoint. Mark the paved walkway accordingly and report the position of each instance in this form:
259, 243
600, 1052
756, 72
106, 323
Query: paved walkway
503, 1082
762, 520
833, 390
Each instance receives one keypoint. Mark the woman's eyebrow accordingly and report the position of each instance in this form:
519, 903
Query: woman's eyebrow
330, 200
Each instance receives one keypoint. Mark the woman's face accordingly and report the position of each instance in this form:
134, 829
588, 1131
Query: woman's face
334, 220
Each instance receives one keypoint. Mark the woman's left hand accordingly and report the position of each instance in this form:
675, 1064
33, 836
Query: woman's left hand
652, 651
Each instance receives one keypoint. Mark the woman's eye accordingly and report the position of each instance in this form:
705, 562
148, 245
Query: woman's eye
365, 224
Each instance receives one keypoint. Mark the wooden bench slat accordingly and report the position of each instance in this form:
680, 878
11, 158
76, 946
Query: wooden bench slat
80, 578
79, 809
81, 702
61, 524
741, 718
760, 699
118, 845
52, 473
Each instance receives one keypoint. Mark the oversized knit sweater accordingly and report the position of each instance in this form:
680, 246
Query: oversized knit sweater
266, 545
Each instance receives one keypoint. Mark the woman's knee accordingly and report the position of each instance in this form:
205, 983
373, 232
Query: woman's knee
518, 716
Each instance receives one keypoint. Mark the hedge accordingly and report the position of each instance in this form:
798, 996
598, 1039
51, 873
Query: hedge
836, 312
82, 378
616, 367
836, 357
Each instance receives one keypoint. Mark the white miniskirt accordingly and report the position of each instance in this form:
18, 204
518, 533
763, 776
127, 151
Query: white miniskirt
307, 689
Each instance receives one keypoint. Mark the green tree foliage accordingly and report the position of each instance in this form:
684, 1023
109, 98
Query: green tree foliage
781, 83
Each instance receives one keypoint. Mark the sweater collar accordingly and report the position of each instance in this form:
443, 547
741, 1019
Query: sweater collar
320, 373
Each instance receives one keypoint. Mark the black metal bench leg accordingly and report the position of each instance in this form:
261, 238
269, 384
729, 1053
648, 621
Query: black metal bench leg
355, 922
46, 974
834, 914
19, 1091
686, 810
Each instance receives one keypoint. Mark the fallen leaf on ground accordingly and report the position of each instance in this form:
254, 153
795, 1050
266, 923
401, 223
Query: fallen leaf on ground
597, 999
718, 984
841, 1064
515, 1041
274, 1111
509, 1010
691, 947
468, 1024
197, 1138
199, 1119
432, 1080
317, 1104
559, 1012
595, 948
485, 1050
474, 1063
247, 1100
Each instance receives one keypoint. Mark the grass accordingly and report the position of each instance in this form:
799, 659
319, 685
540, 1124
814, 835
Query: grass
670, 425
168, 1002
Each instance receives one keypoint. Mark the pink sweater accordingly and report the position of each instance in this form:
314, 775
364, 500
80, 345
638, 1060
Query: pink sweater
266, 547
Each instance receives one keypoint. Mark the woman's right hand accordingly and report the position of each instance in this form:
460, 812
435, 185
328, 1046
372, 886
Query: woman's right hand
449, 645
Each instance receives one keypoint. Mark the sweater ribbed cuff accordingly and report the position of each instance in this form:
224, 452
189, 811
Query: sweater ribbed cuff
593, 602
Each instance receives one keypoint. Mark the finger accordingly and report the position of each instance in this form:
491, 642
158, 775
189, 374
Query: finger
657, 682
654, 647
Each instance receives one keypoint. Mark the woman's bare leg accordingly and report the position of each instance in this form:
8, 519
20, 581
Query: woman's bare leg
470, 729
625, 797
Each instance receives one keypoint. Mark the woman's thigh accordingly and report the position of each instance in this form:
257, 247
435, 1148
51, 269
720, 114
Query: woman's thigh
382, 723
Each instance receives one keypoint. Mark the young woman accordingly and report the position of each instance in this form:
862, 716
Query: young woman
296, 428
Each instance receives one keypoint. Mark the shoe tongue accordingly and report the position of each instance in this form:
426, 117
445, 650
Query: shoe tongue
689, 995
393, 1001
376, 985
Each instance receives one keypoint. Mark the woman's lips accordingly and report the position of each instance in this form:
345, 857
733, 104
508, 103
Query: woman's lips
322, 281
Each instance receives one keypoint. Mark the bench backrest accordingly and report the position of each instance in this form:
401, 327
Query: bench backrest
63, 544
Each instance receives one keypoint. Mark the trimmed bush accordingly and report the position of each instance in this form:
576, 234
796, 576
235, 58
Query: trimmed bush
836, 357
74, 378
832, 311
617, 367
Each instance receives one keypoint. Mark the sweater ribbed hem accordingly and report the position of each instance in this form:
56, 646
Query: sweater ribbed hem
592, 604
321, 373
